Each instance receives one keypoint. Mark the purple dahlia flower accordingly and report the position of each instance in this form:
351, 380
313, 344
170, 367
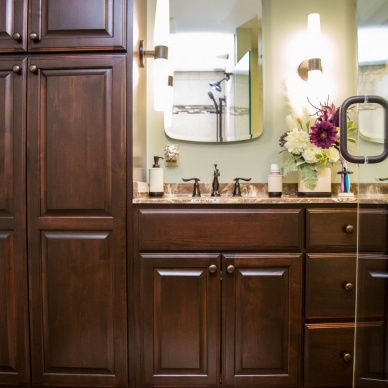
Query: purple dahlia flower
282, 139
323, 134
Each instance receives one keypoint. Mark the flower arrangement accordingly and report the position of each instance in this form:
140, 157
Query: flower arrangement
313, 144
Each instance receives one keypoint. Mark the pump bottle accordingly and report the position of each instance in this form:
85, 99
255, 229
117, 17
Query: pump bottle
156, 179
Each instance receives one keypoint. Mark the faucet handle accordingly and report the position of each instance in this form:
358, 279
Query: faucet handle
196, 192
237, 191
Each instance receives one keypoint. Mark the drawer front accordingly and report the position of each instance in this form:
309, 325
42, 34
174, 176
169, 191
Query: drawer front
221, 229
330, 286
328, 355
331, 229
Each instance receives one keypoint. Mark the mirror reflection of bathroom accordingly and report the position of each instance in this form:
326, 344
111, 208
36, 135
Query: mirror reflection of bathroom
216, 57
372, 65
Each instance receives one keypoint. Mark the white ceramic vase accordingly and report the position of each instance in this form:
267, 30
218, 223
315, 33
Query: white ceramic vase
323, 188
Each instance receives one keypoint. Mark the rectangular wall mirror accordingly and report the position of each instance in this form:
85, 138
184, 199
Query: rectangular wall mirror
372, 31
215, 50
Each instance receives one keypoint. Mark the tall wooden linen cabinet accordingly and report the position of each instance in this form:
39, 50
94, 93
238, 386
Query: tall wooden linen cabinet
63, 166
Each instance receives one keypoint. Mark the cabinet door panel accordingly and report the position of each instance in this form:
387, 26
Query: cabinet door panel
13, 19
14, 339
180, 320
262, 320
70, 25
77, 214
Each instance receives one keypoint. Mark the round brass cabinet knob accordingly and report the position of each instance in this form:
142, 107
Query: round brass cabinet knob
34, 36
16, 68
349, 229
349, 287
16, 36
230, 268
347, 357
212, 268
33, 68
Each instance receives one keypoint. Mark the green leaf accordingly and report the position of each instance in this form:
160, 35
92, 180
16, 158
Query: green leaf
352, 130
351, 140
309, 176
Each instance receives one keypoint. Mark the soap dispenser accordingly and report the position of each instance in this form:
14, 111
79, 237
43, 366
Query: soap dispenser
156, 179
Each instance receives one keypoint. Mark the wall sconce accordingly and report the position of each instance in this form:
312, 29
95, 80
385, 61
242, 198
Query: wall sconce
311, 69
160, 53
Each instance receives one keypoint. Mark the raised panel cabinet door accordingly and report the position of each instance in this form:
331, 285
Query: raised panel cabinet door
77, 220
13, 25
75, 25
261, 319
180, 320
14, 337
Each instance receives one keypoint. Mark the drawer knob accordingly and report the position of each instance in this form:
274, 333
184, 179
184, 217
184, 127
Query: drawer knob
212, 268
16, 36
34, 36
33, 68
230, 268
16, 69
347, 357
349, 229
349, 287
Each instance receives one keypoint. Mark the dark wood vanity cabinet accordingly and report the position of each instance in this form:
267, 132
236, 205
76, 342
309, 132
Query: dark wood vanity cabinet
62, 25
214, 309
330, 290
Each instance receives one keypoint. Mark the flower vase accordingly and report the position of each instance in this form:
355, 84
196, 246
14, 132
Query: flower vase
322, 189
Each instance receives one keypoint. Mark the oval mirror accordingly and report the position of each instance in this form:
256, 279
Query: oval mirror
215, 51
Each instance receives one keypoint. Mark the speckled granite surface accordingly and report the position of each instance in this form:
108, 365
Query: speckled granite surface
181, 193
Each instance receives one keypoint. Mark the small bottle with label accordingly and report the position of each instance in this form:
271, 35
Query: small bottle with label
275, 181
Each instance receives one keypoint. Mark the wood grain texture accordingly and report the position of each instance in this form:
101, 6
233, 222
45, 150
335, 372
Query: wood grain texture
77, 25
181, 325
325, 346
221, 229
77, 220
262, 317
13, 18
326, 277
14, 331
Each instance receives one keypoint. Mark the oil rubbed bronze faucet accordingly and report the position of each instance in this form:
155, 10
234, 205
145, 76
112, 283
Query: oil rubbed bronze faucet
216, 185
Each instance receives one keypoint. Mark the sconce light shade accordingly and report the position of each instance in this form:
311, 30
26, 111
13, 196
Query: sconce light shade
160, 53
313, 64
162, 23
314, 35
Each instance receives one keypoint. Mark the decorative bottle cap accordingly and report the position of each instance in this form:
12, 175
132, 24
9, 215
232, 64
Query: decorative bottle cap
275, 169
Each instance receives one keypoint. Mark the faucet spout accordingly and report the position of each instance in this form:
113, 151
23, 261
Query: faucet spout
215, 183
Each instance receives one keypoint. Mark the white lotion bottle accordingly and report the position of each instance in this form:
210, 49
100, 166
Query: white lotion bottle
156, 179
275, 181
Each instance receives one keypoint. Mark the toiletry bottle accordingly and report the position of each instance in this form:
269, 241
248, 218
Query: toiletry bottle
156, 179
275, 182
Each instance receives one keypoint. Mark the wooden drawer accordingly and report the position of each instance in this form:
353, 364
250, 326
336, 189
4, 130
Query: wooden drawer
330, 279
325, 347
326, 229
213, 229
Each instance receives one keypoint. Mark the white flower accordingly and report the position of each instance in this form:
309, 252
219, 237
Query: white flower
310, 154
296, 141
333, 155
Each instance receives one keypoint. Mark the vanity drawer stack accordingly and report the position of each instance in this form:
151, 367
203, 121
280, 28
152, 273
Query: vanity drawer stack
330, 290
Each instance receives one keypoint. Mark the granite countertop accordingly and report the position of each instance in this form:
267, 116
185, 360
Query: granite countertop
256, 193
